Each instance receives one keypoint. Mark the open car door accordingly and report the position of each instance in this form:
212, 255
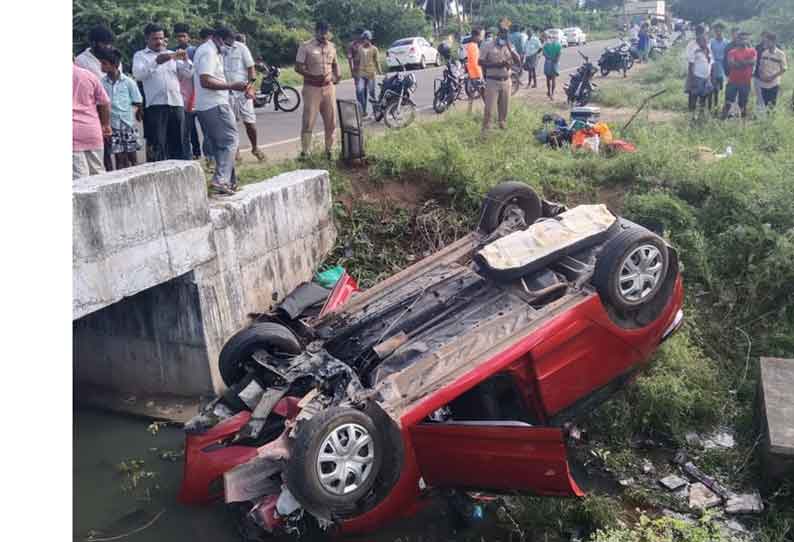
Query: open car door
499, 451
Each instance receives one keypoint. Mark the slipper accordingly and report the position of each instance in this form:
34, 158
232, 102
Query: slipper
222, 188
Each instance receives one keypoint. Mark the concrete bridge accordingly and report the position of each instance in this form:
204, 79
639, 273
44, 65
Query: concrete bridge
163, 276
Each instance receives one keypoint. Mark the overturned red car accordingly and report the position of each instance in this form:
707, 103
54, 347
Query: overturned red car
463, 371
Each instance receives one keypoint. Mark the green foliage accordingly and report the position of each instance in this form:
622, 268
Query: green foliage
663, 529
553, 515
541, 15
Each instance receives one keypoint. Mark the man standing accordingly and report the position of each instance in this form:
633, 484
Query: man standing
741, 63
368, 62
215, 111
473, 62
125, 108
352, 59
771, 66
644, 42
497, 57
316, 62
718, 47
552, 50
518, 39
698, 83
99, 38
532, 52
759, 99
238, 63
191, 139
160, 71
90, 123
731, 44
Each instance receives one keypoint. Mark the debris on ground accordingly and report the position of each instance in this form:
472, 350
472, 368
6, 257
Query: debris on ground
720, 439
647, 467
673, 482
627, 482
745, 503
706, 480
702, 497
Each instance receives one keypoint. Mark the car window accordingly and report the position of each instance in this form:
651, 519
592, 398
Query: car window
496, 399
400, 43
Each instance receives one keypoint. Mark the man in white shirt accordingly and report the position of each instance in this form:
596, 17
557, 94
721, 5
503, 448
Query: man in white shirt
99, 37
238, 64
214, 109
699, 83
160, 71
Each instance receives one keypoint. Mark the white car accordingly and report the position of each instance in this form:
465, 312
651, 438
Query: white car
555, 34
411, 51
574, 35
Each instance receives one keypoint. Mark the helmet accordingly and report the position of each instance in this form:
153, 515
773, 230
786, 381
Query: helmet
444, 50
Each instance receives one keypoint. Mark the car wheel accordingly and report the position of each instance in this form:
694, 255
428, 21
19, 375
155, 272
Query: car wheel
335, 459
235, 356
506, 196
631, 268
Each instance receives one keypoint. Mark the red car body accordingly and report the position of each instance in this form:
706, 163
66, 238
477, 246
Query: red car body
572, 356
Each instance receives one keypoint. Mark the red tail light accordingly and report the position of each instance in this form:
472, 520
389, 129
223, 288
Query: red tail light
412, 50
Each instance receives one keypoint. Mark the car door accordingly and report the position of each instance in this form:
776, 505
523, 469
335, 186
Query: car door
493, 454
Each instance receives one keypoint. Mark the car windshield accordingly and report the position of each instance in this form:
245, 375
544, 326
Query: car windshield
400, 43
570, 30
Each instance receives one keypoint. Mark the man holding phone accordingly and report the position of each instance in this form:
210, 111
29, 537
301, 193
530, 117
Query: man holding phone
160, 71
214, 109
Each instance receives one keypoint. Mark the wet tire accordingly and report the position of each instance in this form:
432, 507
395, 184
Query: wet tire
336, 439
631, 268
505, 195
236, 354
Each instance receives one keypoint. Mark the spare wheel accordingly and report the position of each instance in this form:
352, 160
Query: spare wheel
506, 196
631, 268
335, 459
236, 353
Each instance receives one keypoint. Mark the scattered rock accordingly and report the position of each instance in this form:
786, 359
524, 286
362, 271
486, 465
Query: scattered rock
735, 526
719, 439
673, 482
745, 503
693, 439
702, 497
626, 482
647, 467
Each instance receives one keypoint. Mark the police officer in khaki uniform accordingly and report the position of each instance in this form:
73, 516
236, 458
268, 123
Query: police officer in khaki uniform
496, 57
316, 62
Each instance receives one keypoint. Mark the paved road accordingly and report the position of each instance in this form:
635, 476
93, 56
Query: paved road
276, 128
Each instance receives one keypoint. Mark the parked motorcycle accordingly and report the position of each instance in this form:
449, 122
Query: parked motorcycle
450, 87
617, 58
394, 105
284, 97
579, 89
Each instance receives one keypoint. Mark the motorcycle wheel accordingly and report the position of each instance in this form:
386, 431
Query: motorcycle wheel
441, 101
630, 63
287, 100
604, 71
399, 116
471, 91
584, 96
260, 100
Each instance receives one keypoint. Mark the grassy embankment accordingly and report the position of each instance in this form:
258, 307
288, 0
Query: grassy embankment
731, 220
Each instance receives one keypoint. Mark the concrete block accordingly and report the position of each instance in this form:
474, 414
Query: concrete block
136, 228
776, 414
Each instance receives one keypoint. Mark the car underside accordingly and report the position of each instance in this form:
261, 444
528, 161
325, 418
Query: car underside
462, 371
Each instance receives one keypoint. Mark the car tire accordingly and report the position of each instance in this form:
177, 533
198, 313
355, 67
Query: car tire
334, 496
236, 353
633, 259
504, 195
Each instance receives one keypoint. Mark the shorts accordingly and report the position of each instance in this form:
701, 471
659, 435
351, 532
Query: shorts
85, 163
742, 91
700, 86
769, 95
551, 68
124, 139
531, 62
242, 107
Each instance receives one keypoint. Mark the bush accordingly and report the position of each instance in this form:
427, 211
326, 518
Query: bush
663, 528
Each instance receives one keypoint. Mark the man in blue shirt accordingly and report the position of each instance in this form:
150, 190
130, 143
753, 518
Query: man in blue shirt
125, 109
718, 50
644, 42
531, 55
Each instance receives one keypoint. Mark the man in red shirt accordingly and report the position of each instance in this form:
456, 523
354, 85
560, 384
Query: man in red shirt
90, 123
741, 63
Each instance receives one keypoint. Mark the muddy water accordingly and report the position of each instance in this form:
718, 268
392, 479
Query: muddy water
101, 442
102, 507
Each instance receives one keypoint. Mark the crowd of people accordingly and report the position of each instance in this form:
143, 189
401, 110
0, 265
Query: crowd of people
714, 64
170, 89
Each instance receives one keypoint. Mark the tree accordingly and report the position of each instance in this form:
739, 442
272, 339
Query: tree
709, 10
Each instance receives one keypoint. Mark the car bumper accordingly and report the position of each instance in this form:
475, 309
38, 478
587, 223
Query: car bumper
392, 62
